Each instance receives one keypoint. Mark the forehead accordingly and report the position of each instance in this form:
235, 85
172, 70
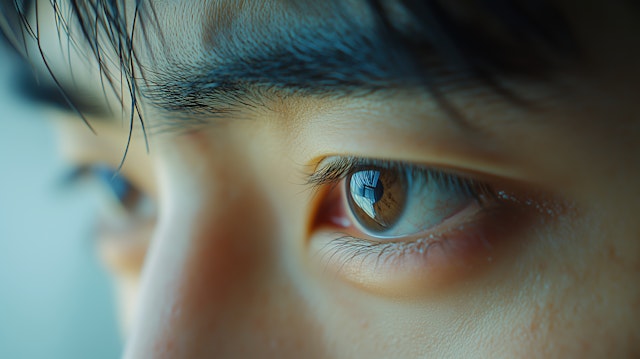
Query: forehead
184, 31
187, 30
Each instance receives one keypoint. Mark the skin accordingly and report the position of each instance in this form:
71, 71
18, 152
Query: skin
229, 262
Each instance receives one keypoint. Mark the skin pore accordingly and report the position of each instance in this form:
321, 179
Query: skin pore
232, 245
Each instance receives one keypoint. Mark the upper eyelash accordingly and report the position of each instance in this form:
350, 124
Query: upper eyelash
331, 173
341, 167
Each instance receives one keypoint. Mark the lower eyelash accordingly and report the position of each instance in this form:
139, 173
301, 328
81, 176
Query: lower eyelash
345, 249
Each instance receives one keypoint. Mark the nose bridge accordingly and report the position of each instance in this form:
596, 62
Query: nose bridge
208, 257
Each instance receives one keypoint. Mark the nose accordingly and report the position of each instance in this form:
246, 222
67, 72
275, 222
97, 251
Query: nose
214, 283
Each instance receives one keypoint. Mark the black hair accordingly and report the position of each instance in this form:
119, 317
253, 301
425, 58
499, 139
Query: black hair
528, 39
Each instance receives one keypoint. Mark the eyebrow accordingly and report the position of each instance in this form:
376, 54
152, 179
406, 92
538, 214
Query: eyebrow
340, 57
335, 63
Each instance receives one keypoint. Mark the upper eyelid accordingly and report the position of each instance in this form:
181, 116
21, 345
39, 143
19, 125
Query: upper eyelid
339, 167
334, 171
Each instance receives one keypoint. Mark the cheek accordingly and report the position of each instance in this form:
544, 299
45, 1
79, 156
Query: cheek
216, 276
580, 300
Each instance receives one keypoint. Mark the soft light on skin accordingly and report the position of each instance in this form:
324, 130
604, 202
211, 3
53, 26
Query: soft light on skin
230, 270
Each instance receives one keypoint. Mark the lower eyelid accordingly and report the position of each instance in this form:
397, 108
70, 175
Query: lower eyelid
421, 265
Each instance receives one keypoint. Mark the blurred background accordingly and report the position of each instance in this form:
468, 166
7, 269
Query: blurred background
55, 300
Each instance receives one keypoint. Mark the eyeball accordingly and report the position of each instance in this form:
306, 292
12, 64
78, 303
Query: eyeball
397, 201
377, 198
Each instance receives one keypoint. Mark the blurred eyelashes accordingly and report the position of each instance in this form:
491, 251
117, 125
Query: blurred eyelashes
121, 190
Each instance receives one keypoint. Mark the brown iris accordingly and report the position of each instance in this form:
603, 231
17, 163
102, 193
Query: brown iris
377, 197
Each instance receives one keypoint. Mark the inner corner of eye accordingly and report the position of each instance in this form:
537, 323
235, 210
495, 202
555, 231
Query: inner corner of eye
330, 211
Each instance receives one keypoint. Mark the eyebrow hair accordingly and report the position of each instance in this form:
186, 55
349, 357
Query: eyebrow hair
342, 57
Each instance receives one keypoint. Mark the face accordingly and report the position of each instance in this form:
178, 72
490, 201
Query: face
350, 220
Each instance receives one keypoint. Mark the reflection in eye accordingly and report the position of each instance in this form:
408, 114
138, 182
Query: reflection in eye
401, 200
376, 197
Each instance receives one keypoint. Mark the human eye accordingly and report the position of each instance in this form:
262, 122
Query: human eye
395, 225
